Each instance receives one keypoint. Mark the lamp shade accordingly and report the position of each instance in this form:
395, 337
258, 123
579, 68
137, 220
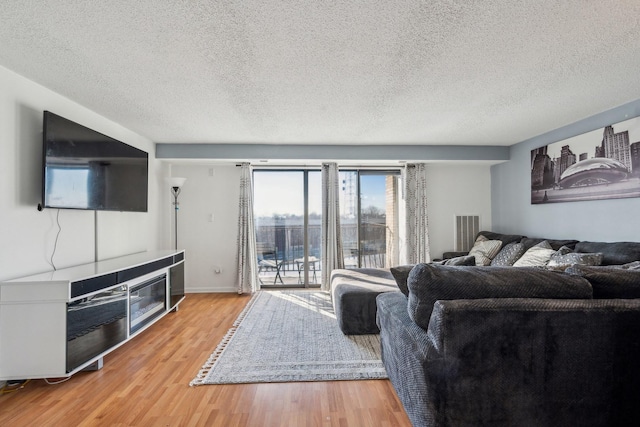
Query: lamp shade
175, 181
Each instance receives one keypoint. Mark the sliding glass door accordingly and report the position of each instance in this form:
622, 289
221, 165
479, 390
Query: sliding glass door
369, 218
288, 218
288, 209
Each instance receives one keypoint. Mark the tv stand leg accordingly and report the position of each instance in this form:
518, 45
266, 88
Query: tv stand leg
95, 366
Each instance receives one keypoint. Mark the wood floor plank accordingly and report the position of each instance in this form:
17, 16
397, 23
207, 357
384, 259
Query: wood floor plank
146, 383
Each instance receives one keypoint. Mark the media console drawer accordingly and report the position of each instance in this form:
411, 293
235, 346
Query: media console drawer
93, 284
141, 270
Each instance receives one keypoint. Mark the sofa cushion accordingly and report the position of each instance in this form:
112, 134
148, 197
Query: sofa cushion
458, 260
354, 292
401, 272
536, 256
508, 255
484, 250
429, 283
461, 260
613, 253
610, 282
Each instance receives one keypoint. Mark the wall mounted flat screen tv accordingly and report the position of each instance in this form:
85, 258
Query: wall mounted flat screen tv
84, 169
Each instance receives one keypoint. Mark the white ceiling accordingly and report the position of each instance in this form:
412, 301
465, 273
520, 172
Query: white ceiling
339, 72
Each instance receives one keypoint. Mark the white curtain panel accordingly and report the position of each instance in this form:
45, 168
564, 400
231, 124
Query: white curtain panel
332, 257
415, 197
247, 255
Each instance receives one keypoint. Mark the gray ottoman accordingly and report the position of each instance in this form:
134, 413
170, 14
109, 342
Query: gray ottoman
354, 293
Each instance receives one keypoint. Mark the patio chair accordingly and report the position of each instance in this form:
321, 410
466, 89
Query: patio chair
268, 260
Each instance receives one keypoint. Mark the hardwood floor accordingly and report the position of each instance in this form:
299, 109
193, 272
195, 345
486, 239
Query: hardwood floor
146, 383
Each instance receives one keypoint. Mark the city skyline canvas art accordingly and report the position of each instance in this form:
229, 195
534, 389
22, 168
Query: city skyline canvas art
601, 164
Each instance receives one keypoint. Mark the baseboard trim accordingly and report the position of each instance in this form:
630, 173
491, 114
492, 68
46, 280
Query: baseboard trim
211, 290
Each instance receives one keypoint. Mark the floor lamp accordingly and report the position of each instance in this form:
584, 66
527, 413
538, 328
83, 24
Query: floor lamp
176, 184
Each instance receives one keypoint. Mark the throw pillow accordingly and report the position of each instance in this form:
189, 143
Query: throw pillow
508, 255
530, 242
401, 274
562, 261
536, 256
562, 251
504, 238
484, 250
559, 253
635, 265
429, 283
615, 253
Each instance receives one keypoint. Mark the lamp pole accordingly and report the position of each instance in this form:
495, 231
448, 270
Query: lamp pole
175, 184
175, 191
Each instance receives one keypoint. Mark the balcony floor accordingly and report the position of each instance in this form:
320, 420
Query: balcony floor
291, 277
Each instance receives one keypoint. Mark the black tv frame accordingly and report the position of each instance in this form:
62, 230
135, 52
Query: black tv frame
98, 155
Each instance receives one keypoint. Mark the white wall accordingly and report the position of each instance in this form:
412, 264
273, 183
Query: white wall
209, 245
27, 237
603, 220
214, 189
456, 189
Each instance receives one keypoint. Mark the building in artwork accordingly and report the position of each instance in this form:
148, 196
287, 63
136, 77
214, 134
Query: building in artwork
541, 169
556, 170
634, 150
616, 146
542, 151
567, 158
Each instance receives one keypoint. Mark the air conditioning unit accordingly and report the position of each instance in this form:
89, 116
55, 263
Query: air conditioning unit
466, 228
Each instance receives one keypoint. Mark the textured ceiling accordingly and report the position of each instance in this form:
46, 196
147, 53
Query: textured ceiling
348, 71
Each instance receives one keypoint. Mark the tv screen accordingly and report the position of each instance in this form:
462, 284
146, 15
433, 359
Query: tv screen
84, 169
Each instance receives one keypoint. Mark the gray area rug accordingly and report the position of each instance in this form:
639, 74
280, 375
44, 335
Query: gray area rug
286, 336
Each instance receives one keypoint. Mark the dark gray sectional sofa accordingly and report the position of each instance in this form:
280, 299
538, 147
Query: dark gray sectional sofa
505, 346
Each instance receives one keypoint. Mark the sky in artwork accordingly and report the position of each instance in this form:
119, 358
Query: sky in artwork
587, 142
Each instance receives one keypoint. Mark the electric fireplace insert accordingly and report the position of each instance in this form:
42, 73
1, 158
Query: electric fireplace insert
147, 301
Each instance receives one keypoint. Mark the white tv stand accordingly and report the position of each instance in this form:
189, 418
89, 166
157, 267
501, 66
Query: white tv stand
55, 324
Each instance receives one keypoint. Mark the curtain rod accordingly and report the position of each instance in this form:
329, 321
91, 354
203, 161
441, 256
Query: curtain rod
342, 167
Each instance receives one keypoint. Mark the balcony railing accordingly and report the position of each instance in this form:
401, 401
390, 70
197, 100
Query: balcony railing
288, 241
